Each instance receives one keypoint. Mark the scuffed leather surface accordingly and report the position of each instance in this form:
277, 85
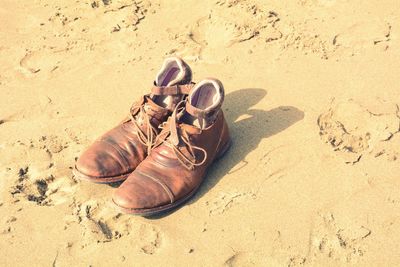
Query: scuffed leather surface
141, 192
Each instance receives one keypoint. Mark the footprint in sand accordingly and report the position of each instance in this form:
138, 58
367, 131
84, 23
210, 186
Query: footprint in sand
299, 37
150, 239
364, 34
219, 30
118, 15
41, 61
225, 201
42, 190
100, 222
72, 27
229, 23
37, 173
355, 130
340, 243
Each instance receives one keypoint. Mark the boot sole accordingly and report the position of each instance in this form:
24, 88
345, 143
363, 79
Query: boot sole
100, 180
165, 208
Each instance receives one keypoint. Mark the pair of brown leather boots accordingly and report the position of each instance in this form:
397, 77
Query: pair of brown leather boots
164, 148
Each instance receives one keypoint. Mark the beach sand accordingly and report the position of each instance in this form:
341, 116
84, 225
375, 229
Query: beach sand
312, 101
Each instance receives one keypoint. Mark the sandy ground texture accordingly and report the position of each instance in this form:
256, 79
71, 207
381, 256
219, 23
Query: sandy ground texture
312, 100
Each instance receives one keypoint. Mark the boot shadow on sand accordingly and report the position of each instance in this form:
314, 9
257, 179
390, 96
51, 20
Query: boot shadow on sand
246, 133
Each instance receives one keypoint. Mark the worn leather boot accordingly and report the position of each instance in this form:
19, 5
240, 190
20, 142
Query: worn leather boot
194, 136
116, 154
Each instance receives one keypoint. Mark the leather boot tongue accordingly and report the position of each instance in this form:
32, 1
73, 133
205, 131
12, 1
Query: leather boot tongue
167, 101
156, 113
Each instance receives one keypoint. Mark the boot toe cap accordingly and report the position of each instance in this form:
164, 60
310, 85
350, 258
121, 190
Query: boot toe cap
139, 192
100, 162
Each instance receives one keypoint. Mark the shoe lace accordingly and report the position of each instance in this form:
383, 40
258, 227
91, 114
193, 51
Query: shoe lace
172, 136
139, 110
147, 137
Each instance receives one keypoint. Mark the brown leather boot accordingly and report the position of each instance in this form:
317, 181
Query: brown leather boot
115, 155
193, 137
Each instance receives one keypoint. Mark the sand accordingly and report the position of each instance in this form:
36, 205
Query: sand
312, 101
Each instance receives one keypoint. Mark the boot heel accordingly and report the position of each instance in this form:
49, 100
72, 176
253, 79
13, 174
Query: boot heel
223, 149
